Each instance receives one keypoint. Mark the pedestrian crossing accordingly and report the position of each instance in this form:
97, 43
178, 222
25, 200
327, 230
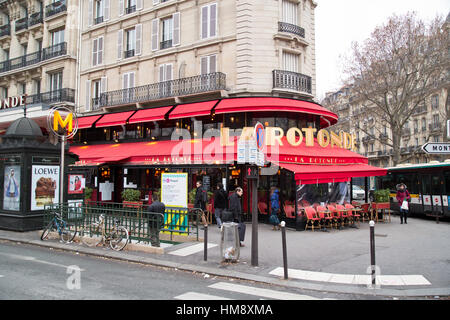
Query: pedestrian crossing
232, 289
196, 248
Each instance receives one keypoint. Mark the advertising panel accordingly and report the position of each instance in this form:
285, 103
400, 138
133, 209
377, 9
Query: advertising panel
44, 186
174, 189
11, 195
77, 183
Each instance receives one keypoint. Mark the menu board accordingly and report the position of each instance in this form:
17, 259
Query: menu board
174, 189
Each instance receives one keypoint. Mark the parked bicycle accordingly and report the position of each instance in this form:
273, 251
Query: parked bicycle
95, 233
66, 231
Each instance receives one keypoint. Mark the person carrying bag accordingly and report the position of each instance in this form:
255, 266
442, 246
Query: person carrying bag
236, 209
403, 199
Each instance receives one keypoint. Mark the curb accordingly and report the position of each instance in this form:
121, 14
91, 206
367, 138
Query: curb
297, 284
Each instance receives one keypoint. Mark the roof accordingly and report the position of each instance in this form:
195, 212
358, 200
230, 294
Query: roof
24, 127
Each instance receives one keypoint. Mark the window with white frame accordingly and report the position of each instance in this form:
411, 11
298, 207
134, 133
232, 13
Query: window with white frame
435, 101
290, 12
290, 61
128, 80
208, 21
131, 41
57, 37
55, 81
208, 64
97, 51
166, 32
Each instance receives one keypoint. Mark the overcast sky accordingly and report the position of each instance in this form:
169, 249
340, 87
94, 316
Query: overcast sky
338, 23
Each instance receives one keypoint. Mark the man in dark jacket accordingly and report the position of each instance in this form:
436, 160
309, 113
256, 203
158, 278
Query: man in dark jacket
153, 219
201, 197
236, 209
220, 203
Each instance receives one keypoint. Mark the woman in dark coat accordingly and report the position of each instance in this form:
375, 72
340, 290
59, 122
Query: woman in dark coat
275, 209
403, 194
236, 209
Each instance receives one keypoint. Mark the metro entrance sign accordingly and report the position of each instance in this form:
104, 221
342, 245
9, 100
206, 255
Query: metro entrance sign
436, 148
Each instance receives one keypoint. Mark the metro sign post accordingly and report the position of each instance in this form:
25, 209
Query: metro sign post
65, 129
436, 148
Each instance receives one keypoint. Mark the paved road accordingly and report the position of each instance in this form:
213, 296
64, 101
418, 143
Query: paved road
29, 272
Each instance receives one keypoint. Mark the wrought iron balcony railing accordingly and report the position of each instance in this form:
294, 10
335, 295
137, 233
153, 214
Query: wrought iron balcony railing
291, 28
5, 30
129, 53
173, 88
291, 80
22, 24
55, 8
98, 20
130, 9
61, 95
35, 18
34, 58
166, 44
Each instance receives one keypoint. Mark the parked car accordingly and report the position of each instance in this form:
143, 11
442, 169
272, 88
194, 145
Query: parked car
358, 193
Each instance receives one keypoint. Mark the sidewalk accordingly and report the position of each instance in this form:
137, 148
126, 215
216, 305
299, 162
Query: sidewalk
414, 259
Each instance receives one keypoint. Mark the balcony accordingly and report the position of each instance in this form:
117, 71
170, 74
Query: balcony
166, 44
34, 58
61, 95
129, 53
21, 24
5, 30
173, 88
35, 18
130, 9
291, 80
291, 28
98, 20
383, 136
434, 127
55, 8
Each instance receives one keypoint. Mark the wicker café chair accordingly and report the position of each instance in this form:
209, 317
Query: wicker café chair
325, 216
311, 218
344, 214
337, 219
354, 212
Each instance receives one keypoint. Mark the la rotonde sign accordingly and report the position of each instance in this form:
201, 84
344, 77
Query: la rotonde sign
13, 102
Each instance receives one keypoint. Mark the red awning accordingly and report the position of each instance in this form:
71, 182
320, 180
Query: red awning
154, 114
233, 105
87, 122
114, 119
193, 110
310, 174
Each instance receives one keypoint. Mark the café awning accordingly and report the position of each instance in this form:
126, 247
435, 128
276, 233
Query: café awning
114, 119
87, 122
146, 115
193, 110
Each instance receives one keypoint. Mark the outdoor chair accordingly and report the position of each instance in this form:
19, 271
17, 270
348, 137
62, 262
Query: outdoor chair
325, 216
337, 219
354, 212
262, 207
365, 211
344, 214
311, 218
289, 210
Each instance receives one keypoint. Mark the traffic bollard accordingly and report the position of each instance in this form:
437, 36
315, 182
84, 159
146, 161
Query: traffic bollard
372, 250
205, 251
283, 239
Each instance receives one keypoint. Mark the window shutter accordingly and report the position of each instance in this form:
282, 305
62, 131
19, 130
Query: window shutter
204, 65
121, 8
155, 27
119, 44
213, 20
168, 72
138, 4
176, 29
100, 50
161, 73
131, 80
204, 31
125, 81
138, 35
88, 95
212, 64
94, 52
103, 84
90, 13
106, 9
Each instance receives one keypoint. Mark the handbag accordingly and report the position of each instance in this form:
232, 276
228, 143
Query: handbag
405, 205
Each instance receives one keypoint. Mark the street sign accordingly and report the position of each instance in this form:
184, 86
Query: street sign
251, 150
252, 172
436, 148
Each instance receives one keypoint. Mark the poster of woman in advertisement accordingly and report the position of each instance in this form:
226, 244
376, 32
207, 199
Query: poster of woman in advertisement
11, 199
76, 184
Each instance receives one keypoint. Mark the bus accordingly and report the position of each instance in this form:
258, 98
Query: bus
428, 185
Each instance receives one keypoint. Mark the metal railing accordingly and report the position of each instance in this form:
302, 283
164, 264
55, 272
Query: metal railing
292, 80
172, 88
55, 8
61, 95
129, 53
5, 30
130, 9
22, 24
35, 18
291, 28
34, 58
166, 44
98, 20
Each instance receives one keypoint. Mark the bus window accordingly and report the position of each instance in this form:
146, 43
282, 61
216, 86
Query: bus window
447, 183
436, 186
414, 188
426, 188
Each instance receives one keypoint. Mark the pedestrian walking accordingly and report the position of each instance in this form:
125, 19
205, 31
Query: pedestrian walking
201, 197
274, 208
403, 199
155, 207
220, 203
236, 209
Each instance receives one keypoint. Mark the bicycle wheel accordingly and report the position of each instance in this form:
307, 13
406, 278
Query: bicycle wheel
48, 228
91, 235
68, 231
118, 238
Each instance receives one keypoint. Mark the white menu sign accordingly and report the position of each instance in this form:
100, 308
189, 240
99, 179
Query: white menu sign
174, 189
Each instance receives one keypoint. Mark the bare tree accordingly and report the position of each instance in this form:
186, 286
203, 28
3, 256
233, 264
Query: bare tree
396, 69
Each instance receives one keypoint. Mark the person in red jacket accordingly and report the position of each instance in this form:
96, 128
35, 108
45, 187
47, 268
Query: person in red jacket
403, 194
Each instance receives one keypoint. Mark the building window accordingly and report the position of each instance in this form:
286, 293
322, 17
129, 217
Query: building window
21, 88
57, 37
291, 62
56, 81
131, 6
97, 51
209, 21
435, 102
208, 64
37, 86
96, 91
130, 43
290, 12
167, 33
99, 11
3, 92
424, 124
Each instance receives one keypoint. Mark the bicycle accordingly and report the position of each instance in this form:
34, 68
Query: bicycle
63, 228
95, 233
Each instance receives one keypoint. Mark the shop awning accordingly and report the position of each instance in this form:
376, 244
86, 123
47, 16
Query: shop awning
234, 105
114, 119
87, 122
154, 114
311, 174
192, 110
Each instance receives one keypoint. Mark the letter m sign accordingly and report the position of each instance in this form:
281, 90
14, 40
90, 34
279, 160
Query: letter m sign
67, 123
